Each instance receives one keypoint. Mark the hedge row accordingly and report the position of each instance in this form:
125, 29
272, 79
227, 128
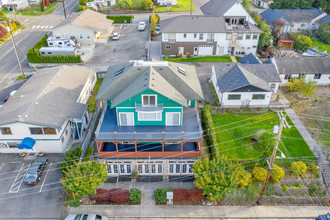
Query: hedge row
117, 195
88, 154
207, 124
121, 18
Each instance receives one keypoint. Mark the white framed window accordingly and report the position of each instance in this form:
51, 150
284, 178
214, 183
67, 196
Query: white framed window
88, 36
167, 47
165, 36
6, 131
258, 96
173, 118
201, 36
150, 168
149, 100
229, 36
149, 116
239, 36
180, 168
73, 35
255, 36
126, 118
195, 35
184, 35
66, 35
81, 36
303, 25
317, 76
58, 35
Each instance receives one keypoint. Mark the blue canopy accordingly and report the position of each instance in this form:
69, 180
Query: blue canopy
27, 143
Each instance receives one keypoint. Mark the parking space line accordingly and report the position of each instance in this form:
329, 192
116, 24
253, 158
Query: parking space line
43, 182
19, 179
2, 165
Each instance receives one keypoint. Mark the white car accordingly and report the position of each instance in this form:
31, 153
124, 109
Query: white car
85, 216
115, 36
142, 26
157, 31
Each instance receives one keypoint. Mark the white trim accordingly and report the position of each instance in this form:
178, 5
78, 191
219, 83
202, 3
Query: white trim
173, 113
160, 113
149, 100
126, 113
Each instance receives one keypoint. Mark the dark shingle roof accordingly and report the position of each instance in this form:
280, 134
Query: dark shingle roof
270, 15
308, 65
324, 19
249, 59
217, 7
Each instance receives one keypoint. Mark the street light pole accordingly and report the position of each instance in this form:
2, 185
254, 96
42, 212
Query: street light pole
12, 38
191, 7
64, 8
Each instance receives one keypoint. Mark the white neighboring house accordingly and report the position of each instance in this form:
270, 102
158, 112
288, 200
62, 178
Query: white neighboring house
17, 4
97, 4
227, 8
167, 2
262, 3
208, 35
314, 68
50, 108
240, 85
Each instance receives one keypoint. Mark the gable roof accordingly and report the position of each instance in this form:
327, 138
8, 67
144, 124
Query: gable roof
270, 15
200, 24
124, 81
217, 7
88, 19
324, 19
49, 97
249, 59
308, 65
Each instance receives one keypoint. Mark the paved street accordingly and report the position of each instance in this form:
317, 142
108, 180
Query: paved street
43, 199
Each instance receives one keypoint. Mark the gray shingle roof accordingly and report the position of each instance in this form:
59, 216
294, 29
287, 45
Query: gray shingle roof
270, 15
162, 77
308, 65
48, 98
249, 59
324, 19
200, 24
217, 7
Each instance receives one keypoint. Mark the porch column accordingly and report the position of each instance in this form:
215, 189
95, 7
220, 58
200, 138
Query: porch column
163, 146
135, 144
199, 145
116, 143
181, 146
182, 135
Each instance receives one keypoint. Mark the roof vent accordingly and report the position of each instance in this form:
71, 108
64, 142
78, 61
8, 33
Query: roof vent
51, 83
152, 84
140, 68
44, 92
36, 103
153, 79
181, 70
22, 96
161, 68
57, 75
146, 73
25, 116
121, 70
19, 116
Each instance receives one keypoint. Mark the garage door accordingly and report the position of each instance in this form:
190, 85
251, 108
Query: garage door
205, 50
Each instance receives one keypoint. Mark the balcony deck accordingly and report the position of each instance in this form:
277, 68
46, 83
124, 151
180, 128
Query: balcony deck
150, 147
108, 130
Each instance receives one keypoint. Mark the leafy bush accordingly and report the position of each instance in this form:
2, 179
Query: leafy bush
72, 158
244, 178
259, 173
298, 168
101, 195
135, 195
75, 203
121, 18
324, 32
119, 195
313, 169
88, 154
124, 3
315, 187
80, 8
160, 195
277, 174
207, 123
196, 194
180, 194
302, 42
166, 56
302, 86
284, 187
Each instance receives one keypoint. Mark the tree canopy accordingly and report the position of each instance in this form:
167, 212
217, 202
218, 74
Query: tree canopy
324, 32
291, 4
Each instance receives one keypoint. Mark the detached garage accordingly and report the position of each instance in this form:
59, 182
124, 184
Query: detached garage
204, 50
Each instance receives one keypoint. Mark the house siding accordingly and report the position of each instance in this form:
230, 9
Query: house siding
73, 29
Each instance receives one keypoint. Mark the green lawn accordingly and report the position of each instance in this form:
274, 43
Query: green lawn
238, 58
202, 59
35, 10
320, 45
183, 5
91, 101
258, 126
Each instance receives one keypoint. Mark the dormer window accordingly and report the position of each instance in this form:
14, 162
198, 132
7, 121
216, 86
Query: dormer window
241, 21
227, 20
149, 100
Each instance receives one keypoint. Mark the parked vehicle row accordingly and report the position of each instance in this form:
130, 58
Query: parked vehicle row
33, 175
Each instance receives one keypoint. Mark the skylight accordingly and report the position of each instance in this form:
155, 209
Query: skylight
182, 71
121, 70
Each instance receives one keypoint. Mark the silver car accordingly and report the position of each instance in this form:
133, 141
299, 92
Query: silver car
33, 175
85, 216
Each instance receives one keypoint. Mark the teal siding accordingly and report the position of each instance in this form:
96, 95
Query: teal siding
192, 103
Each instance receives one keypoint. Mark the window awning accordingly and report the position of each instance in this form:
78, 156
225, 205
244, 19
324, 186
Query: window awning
27, 143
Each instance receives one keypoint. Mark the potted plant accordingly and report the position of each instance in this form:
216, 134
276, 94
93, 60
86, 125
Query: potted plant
22, 154
188, 55
40, 154
135, 175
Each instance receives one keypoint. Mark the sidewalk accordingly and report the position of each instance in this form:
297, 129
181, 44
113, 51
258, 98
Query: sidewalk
151, 211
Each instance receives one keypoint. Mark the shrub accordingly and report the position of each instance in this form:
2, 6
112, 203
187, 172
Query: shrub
80, 8
196, 194
313, 169
166, 56
259, 173
324, 32
207, 123
124, 3
180, 194
135, 195
298, 168
302, 42
88, 154
101, 195
315, 187
292, 197
119, 195
75, 203
160, 195
121, 18
277, 174
72, 158
284, 187
244, 178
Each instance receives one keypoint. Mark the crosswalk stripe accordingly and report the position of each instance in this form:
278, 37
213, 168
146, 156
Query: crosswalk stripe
46, 27
50, 27
42, 26
33, 26
38, 26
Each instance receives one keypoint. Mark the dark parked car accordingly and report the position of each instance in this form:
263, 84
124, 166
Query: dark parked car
33, 175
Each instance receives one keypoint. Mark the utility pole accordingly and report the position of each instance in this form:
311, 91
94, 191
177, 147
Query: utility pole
190, 7
19, 60
271, 160
14, 12
64, 8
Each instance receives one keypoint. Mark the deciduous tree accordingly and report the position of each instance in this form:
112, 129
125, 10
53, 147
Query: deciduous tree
291, 4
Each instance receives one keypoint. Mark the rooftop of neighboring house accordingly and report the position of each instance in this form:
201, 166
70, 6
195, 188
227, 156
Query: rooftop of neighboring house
234, 76
93, 20
217, 7
291, 15
201, 24
304, 65
176, 81
249, 59
324, 19
48, 98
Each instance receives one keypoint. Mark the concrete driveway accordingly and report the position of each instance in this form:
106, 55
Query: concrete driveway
20, 201
132, 45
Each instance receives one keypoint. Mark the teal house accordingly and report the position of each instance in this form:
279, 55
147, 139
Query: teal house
150, 115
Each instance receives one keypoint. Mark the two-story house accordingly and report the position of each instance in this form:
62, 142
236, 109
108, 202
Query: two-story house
50, 108
150, 121
209, 35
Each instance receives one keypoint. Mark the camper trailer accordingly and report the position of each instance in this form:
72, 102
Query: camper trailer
52, 51
62, 42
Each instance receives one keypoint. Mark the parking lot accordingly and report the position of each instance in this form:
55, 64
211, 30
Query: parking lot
19, 200
124, 49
